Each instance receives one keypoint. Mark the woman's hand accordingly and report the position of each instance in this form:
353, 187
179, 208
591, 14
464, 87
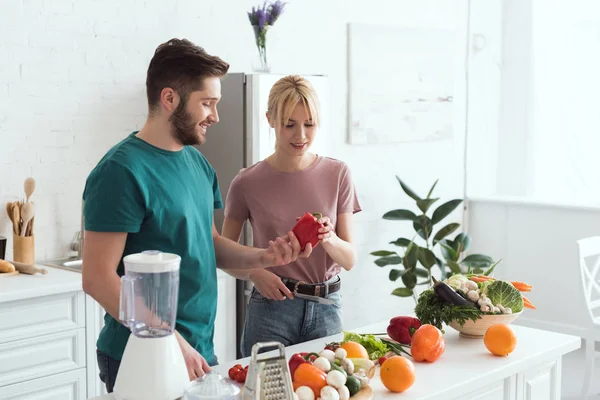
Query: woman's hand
270, 285
326, 232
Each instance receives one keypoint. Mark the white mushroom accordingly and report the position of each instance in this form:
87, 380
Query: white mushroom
471, 285
348, 366
507, 310
328, 354
496, 310
486, 307
336, 379
473, 295
330, 393
341, 353
344, 393
323, 364
305, 393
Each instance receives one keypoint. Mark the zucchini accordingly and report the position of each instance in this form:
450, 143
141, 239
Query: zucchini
353, 385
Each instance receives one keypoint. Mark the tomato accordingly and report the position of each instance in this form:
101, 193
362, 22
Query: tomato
241, 376
233, 371
428, 344
382, 360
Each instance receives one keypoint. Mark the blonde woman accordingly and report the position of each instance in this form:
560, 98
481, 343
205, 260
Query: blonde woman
272, 194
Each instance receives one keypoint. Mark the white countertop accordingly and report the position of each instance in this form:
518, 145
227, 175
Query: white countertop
464, 363
23, 286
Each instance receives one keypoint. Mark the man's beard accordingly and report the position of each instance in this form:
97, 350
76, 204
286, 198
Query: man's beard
184, 128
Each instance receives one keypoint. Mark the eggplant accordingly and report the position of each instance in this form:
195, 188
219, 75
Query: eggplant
449, 295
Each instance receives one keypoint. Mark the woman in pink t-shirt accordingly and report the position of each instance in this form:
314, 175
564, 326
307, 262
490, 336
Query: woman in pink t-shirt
272, 194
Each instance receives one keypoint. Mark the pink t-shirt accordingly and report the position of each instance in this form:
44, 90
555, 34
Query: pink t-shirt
272, 200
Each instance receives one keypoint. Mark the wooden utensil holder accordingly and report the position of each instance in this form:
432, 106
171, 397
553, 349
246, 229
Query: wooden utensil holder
24, 249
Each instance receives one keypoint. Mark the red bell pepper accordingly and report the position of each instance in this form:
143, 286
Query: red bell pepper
307, 229
401, 329
301, 358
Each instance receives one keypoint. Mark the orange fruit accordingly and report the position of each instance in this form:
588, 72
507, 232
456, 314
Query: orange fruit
355, 350
500, 339
397, 374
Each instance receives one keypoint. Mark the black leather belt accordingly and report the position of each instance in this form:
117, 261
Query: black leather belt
316, 289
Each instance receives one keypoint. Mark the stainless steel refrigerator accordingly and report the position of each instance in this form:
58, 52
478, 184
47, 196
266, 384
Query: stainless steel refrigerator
243, 137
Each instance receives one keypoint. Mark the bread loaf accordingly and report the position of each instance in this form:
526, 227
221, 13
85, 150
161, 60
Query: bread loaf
5, 266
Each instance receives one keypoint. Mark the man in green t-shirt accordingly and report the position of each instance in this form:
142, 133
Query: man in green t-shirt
155, 191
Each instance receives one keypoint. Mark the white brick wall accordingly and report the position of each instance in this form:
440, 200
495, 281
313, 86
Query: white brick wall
72, 84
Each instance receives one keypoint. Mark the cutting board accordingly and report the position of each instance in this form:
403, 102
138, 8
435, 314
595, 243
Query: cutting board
7, 274
365, 393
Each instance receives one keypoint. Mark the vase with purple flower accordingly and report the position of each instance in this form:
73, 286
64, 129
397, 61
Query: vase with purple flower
261, 18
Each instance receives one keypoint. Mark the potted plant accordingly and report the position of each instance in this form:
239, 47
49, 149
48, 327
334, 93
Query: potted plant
431, 235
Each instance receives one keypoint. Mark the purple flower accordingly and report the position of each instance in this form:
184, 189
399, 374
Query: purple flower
266, 14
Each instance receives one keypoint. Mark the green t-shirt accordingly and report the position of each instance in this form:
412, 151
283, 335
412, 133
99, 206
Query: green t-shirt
165, 201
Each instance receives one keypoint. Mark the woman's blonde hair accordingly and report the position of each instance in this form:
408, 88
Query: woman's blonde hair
285, 95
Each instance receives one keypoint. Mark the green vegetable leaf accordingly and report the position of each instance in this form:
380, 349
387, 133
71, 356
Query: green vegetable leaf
491, 269
374, 346
407, 190
402, 292
502, 292
409, 278
432, 187
424, 204
445, 231
426, 257
400, 215
391, 260
444, 210
423, 273
442, 267
401, 242
431, 310
383, 253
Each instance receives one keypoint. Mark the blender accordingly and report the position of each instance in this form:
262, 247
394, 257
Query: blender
152, 367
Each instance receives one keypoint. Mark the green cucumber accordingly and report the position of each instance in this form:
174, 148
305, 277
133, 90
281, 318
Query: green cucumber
338, 368
353, 385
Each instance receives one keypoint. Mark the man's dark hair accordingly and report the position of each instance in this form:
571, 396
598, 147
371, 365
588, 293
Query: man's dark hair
182, 66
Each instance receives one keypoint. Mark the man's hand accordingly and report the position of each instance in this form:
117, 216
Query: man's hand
270, 285
283, 251
195, 363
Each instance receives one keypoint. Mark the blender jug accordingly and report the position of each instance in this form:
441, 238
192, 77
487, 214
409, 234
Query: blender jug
152, 366
149, 291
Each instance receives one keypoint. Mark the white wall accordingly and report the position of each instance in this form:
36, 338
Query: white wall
537, 243
72, 84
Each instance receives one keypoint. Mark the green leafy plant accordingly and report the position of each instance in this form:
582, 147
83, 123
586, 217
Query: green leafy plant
419, 256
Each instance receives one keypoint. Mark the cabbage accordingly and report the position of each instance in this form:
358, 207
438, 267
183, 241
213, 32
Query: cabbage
502, 292
456, 281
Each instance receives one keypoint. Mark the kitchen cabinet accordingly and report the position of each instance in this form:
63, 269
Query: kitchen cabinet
43, 337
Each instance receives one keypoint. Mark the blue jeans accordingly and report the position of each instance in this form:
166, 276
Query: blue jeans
109, 367
289, 321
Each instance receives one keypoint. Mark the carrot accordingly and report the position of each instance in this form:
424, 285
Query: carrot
480, 278
527, 303
522, 286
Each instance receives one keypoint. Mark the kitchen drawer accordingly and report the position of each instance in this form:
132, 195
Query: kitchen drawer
40, 316
37, 357
66, 386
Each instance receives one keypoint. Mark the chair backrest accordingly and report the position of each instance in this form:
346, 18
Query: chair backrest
589, 263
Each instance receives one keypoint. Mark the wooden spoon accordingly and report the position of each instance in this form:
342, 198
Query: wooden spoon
16, 212
27, 213
29, 187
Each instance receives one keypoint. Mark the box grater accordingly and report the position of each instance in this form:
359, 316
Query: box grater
269, 377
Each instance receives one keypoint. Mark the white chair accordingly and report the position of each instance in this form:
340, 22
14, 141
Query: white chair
589, 262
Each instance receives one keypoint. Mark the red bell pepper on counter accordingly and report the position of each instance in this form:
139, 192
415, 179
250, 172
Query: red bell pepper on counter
307, 229
401, 329
301, 358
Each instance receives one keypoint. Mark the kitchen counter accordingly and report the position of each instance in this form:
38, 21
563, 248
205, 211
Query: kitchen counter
22, 286
468, 370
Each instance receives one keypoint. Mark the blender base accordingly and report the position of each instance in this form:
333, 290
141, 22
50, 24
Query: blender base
152, 368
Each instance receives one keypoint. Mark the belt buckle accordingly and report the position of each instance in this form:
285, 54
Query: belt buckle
318, 290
